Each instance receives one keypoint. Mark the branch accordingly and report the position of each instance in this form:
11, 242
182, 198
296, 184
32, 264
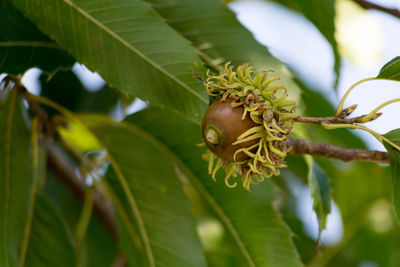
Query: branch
368, 5
331, 119
346, 154
62, 168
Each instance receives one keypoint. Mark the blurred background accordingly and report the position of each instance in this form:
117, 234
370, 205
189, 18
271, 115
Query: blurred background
367, 39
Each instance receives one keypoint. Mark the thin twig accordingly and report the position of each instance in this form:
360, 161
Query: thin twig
319, 120
368, 5
331, 151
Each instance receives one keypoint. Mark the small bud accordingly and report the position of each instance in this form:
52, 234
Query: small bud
347, 111
371, 117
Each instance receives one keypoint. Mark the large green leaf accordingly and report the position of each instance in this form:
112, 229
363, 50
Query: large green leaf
394, 154
256, 228
128, 44
145, 182
50, 242
16, 174
216, 32
99, 247
23, 46
391, 70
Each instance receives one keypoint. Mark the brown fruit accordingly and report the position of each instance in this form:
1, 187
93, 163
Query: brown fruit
222, 125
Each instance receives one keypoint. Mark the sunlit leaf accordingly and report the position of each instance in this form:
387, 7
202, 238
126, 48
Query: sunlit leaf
23, 46
129, 45
394, 154
50, 242
256, 228
76, 135
145, 182
391, 70
16, 175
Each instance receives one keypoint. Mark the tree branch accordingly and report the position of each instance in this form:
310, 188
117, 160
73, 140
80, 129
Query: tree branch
331, 151
368, 5
330, 119
62, 168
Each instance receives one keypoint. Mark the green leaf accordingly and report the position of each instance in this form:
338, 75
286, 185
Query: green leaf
50, 242
257, 230
146, 184
16, 174
39, 167
129, 45
219, 36
66, 89
100, 248
391, 70
23, 46
320, 193
394, 154
322, 14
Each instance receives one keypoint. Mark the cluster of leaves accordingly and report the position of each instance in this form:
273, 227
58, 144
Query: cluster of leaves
148, 166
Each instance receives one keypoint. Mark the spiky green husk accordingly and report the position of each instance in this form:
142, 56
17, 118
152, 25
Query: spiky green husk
264, 100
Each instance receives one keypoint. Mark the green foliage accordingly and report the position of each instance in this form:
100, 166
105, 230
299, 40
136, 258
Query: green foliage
391, 70
155, 204
394, 136
118, 42
15, 181
50, 228
152, 198
244, 215
219, 37
321, 194
66, 89
23, 46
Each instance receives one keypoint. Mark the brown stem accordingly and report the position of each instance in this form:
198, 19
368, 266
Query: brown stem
368, 5
331, 119
63, 169
331, 151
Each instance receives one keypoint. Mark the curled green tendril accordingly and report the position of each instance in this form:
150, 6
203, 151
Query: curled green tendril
265, 101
